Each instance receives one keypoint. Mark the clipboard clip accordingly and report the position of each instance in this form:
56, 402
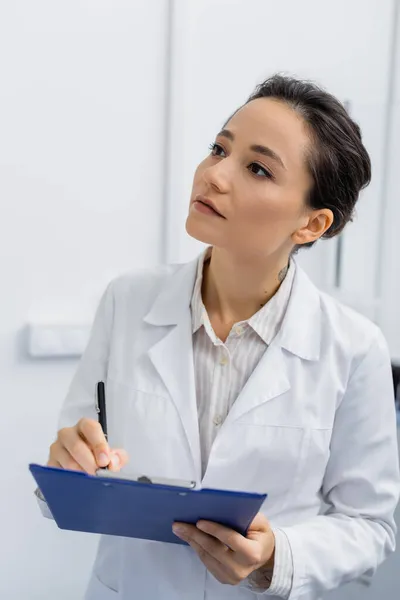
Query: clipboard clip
191, 485
144, 479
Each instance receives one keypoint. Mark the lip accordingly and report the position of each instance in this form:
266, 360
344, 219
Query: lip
208, 202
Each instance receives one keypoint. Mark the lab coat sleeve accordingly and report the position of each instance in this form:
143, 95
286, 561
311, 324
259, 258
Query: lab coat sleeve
281, 582
80, 398
361, 486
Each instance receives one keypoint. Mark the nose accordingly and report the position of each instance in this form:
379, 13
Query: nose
218, 176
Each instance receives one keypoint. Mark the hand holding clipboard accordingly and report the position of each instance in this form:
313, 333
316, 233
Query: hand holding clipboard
106, 503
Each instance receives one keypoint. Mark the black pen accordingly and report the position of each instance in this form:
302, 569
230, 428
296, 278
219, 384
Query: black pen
101, 407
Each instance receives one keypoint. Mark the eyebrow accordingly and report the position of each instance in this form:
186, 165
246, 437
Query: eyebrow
255, 147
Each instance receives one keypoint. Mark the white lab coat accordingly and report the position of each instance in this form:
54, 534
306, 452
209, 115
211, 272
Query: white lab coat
316, 419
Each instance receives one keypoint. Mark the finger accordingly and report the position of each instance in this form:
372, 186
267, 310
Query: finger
53, 454
234, 540
66, 461
209, 544
81, 452
92, 432
119, 459
247, 552
72, 442
260, 524
220, 572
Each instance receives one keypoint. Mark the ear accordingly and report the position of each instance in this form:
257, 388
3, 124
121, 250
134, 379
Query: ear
318, 221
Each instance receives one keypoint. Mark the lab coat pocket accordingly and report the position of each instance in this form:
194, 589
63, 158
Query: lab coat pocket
259, 458
317, 453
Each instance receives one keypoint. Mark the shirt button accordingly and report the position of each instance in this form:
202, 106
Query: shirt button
224, 361
217, 420
239, 330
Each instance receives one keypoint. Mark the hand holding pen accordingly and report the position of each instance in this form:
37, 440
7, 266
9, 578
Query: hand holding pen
84, 447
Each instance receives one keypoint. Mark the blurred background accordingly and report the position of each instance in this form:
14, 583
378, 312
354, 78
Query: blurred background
106, 108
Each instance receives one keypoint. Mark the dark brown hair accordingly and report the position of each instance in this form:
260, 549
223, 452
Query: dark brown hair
338, 161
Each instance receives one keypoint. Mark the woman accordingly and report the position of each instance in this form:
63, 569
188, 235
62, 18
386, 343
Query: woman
234, 370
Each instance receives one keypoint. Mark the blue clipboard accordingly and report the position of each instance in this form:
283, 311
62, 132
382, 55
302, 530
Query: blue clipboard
122, 507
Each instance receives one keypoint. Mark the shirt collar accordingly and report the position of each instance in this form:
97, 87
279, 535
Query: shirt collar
199, 313
266, 322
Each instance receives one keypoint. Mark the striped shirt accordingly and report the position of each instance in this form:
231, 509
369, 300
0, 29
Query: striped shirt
223, 368
221, 372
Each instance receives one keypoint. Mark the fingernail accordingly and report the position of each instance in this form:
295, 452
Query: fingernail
103, 459
115, 460
178, 530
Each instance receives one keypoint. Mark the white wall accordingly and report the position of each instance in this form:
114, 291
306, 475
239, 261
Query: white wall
82, 99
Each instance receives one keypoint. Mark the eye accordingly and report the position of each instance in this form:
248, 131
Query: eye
216, 150
259, 170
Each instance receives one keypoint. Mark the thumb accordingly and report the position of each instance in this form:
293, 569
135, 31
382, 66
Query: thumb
260, 524
118, 459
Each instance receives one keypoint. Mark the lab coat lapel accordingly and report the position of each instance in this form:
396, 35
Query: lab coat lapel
172, 355
268, 380
300, 335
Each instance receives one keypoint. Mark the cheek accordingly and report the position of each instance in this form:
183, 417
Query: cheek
267, 217
270, 209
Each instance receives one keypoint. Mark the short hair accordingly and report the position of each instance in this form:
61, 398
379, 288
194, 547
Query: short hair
338, 161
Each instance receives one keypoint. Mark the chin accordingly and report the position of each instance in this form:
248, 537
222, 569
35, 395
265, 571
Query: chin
202, 232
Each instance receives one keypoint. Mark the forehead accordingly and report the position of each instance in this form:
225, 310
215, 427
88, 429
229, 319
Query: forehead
271, 122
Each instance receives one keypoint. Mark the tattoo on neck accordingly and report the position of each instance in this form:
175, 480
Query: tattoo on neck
282, 274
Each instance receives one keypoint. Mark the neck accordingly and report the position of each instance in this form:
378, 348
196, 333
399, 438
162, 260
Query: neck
235, 288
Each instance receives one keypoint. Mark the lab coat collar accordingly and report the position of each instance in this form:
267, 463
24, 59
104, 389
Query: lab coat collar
300, 333
172, 304
172, 354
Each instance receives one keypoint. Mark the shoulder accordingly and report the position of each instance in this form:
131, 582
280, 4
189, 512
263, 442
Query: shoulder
351, 333
135, 291
342, 334
146, 280
340, 315
143, 282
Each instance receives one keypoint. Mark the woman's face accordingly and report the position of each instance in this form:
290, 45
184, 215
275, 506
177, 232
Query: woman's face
256, 178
